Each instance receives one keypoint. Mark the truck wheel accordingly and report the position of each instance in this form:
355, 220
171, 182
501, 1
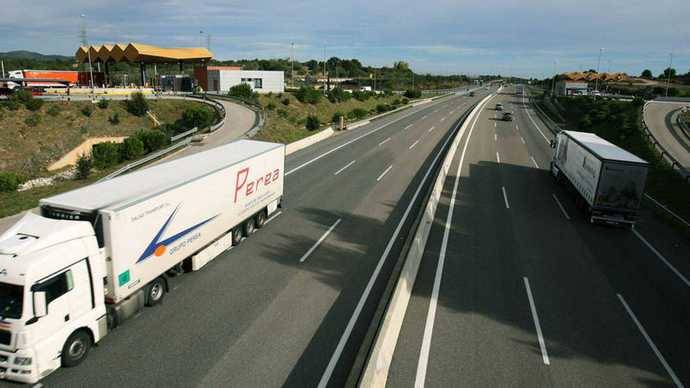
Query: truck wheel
155, 292
260, 219
249, 227
236, 235
76, 348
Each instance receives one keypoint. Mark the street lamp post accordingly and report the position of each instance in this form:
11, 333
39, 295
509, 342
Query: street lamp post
292, 64
668, 78
596, 82
88, 51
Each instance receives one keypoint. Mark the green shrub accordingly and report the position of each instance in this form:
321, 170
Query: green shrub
336, 117
137, 104
361, 95
87, 110
114, 119
132, 148
282, 113
197, 116
357, 113
22, 96
34, 104
338, 94
54, 109
12, 104
413, 93
153, 139
242, 91
286, 101
103, 103
9, 181
106, 154
381, 108
32, 120
83, 167
270, 106
312, 123
405, 101
308, 95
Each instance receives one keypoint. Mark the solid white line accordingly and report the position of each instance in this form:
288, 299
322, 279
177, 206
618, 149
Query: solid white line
325, 378
407, 127
498, 157
679, 218
517, 128
443, 118
323, 237
533, 122
656, 351
273, 217
534, 161
384, 142
505, 196
414, 144
384, 173
431, 129
343, 169
662, 258
567, 217
494, 124
535, 317
522, 139
431, 313
495, 137
348, 143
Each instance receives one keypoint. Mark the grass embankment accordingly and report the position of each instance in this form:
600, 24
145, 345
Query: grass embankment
31, 140
685, 118
286, 116
620, 122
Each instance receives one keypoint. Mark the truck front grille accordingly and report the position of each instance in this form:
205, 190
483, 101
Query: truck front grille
5, 337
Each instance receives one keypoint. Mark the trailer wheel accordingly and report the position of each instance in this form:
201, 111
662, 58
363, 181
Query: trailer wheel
249, 227
236, 235
76, 348
260, 219
155, 291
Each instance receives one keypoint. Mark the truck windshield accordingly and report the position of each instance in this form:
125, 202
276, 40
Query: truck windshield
11, 297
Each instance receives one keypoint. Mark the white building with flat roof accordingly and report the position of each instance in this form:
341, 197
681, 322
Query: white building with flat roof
261, 81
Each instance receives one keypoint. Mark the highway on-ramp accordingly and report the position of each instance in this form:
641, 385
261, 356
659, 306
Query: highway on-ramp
290, 305
515, 288
660, 117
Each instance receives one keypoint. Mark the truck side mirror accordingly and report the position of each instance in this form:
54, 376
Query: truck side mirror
40, 305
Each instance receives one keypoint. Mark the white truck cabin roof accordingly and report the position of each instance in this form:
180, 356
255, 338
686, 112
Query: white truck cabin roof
602, 148
135, 186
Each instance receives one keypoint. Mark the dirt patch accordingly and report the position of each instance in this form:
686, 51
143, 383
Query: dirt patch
70, 158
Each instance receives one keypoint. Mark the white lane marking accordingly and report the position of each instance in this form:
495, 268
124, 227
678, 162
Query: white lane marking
522, 139
414, 144
505, 197
423, 117
409, 126
535, 317
325, 378
679, 218
443, 118
535, 124
494, 124
273, 217
431, 313
316, 245
343, 168
498, 157
662, 258
384, 142
431, 129
517, 128
534, 161
567, 217
495, 137
348, 143
656, 351
384, 173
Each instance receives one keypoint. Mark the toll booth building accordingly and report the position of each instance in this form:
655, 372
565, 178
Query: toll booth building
219, 79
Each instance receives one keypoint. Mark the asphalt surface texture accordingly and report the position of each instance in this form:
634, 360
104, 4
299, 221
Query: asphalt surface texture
287, 307
526, 293
660, 118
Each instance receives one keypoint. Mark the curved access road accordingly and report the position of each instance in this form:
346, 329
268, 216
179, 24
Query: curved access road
660, 117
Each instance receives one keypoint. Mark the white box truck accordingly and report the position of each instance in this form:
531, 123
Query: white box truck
96, 255
609, 180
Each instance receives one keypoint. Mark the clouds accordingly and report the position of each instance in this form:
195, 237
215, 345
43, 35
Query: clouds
523, 37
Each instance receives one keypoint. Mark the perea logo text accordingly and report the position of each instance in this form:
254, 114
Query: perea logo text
249, 188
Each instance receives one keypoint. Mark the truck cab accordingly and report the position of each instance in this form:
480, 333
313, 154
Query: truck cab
51, 296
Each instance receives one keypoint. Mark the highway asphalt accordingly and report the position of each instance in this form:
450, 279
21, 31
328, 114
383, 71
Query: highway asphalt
525, 292
660, 119
287, 307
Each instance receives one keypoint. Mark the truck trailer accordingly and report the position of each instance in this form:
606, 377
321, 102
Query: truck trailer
609, 180
96, 255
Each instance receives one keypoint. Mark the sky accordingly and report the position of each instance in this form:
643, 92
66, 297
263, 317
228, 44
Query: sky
529, 38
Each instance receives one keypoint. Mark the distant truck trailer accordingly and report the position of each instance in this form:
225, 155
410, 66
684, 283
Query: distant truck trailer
96, 255
62, 78
609, 180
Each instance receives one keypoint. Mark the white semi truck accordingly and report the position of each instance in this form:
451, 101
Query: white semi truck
96, 255
610, 181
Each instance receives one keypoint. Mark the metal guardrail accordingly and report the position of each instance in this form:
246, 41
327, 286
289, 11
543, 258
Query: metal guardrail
675, 165
184, 134
148, 158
